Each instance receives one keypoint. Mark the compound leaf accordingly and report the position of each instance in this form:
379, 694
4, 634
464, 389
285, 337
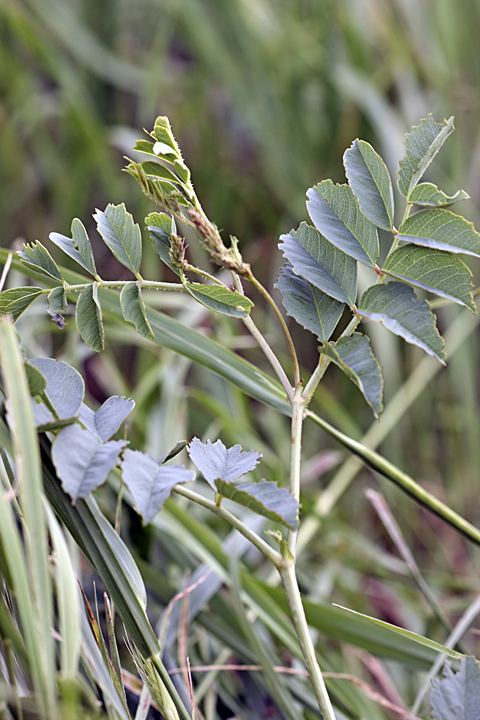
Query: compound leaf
220, 299
89, 318
77, 247
370, 181
336, 214
14, 302
216, 462
442, 230
150, 484
39, 259
133, 309
437, 272
355, 357
321, 263
396, 306
121, 235
421, 145
264, 498
82, 461
429, 195
456, 696
309, 306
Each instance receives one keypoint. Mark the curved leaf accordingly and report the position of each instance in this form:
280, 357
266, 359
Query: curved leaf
162, 132
37, 381
456, 696
38, 258
421, 145
77, 247
263, 498
65, 390
370, 181
354, 356
150, 484
321, 263
14, 302
82, 461
309, 306
156, 169
89, 318
437, 272
442, 230
133, 309
57, 300
121, 235
335, 213
220, 299
161, 242
429, 195
111, 415
216, 462
395, 306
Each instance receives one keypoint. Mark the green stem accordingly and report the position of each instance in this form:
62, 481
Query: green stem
271, 554
270, 355
404, 481
289, 580
298, 409
146, 284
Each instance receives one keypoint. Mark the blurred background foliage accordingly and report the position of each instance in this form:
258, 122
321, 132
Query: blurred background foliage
263, 97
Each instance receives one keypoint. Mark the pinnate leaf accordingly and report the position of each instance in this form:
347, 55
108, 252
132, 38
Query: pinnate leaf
370, 181
456, 696
82, 461
14, 302
77, 247
133, 309
442, 230
396, 306
39, 259
216, 462
89, 318
220, 299
336, 214
263, 498
150, 484
421, 145
321, 263
355, 357
429, 195
121, 235
437, 272
308, 305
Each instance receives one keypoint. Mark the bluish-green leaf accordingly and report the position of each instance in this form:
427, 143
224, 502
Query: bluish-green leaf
82, 461
162, 221
57, 300
336, 214
308, 305
133, 309
370, 181
220, 299
396, 306
216, 462
421, 145
89, 318
15, 301
437, 272
321, 263
263, 498
111, 414
355, 357
161, 244
150, 484
429, 195
65, 390
442, 230
121, 235
38, 258
456, 696
37, 381
77, 247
